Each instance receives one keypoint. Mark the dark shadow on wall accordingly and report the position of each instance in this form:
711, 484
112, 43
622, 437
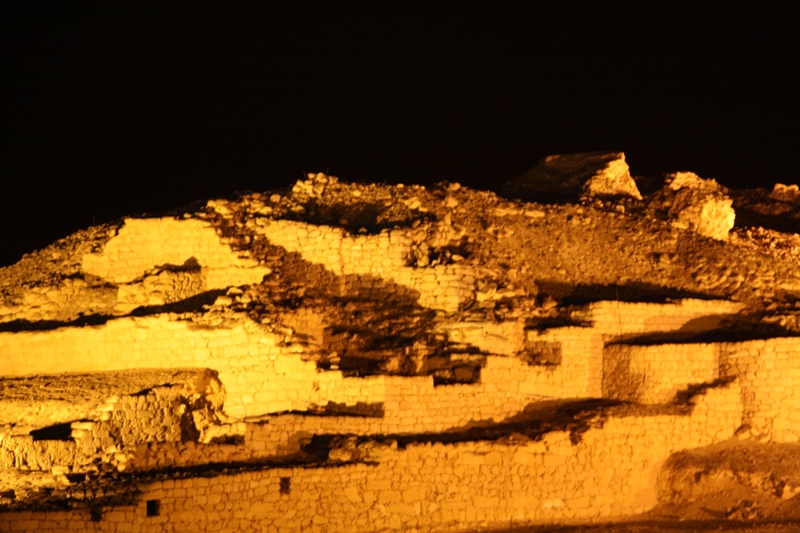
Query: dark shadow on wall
575, 416
721, 331
61, 431
360, 217
188, 305
17, 326
634, 292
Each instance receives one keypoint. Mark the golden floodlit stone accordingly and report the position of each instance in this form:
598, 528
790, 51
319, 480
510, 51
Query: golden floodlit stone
361, 357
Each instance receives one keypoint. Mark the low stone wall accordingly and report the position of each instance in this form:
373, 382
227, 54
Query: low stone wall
611, 471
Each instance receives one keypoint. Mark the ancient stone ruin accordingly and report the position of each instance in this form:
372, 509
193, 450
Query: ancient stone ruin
350, 357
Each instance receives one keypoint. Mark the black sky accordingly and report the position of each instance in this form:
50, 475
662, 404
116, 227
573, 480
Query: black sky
113, 109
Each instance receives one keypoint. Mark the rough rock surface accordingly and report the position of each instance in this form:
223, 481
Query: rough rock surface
341, 357
571, 176
700, 205
777, 209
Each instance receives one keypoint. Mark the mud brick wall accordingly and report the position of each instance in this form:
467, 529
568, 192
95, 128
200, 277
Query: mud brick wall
385, 256
655, 374
429, 486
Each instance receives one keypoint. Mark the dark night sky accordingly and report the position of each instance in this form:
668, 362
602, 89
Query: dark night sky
116, 109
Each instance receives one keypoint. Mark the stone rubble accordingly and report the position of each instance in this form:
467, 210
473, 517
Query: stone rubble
567, 177
697, 204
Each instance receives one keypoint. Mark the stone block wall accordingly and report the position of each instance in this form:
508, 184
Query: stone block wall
262, 374
144, 243
578, 373
619, 320
407, 405
655, 374
769, 373
159, 288
112, 435
385, 256
611, 471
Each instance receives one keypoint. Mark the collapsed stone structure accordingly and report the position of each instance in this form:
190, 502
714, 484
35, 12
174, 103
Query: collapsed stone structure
345, 357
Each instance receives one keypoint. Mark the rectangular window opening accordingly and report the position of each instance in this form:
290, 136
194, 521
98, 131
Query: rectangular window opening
153, 507
95, 514
286, 485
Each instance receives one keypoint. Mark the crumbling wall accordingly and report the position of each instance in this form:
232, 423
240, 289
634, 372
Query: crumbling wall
263, 373
111, 436
386, 256
159, 287
64, 300
501, 338
149, 261
769, 373
402, 405
22, 452
655, 374
144, 243
610, 471
621, 320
